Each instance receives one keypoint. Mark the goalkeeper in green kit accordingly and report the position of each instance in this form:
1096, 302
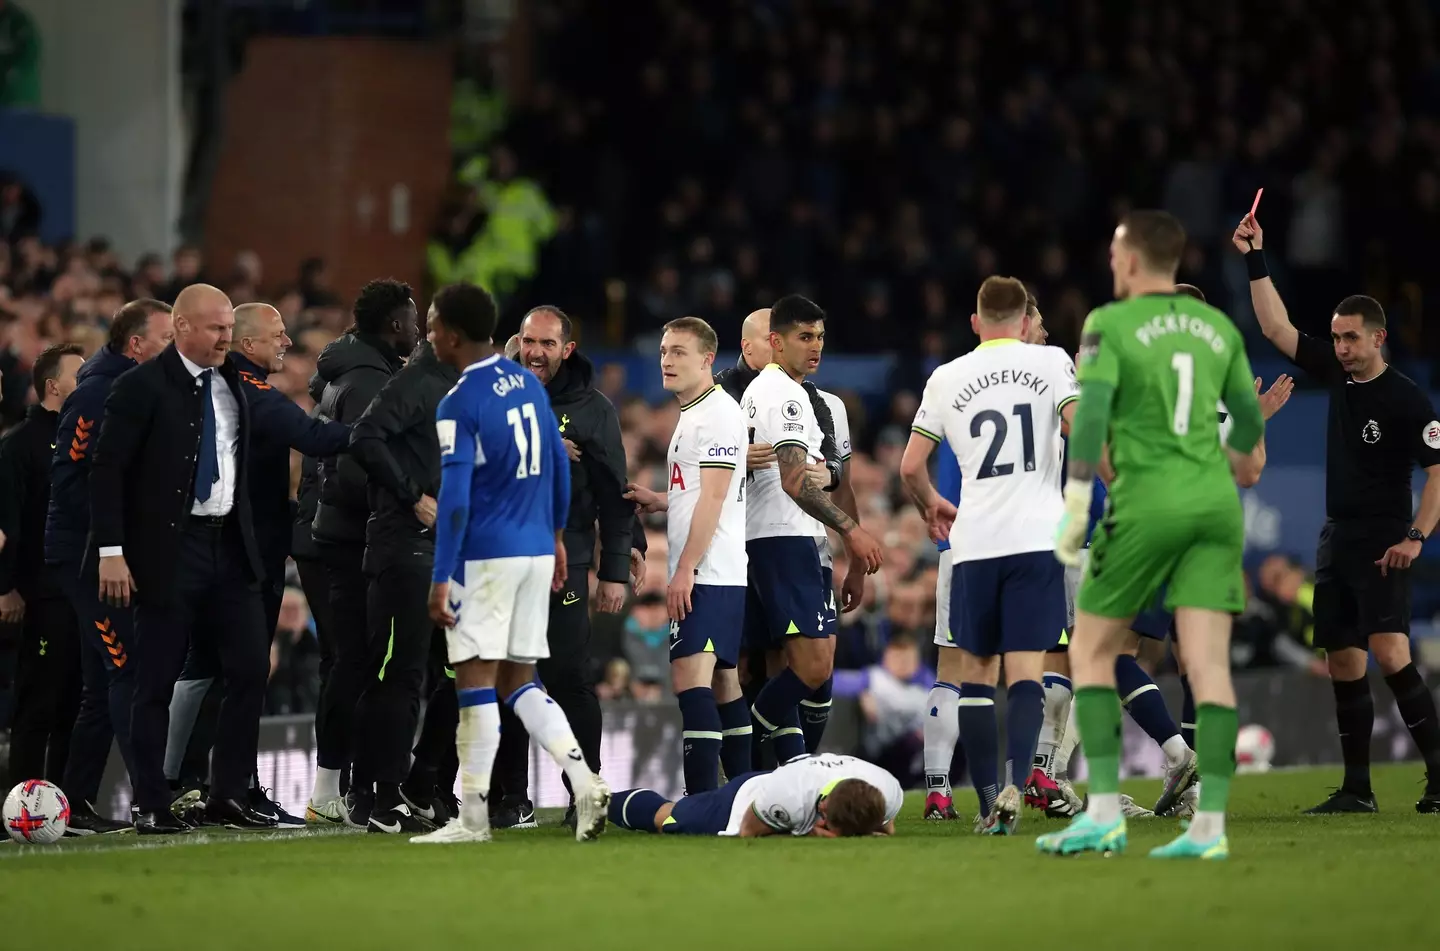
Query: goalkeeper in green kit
1152, 366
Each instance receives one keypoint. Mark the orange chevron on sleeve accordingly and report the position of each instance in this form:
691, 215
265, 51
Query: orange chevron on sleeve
254, 381
81, 442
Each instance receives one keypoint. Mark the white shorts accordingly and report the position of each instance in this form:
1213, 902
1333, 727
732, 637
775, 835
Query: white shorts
943, 637
503, 610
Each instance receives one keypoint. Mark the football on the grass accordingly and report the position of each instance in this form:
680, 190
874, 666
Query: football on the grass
1254, 749
36, 812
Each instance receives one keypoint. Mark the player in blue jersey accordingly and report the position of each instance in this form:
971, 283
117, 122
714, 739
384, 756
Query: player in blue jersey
499, 552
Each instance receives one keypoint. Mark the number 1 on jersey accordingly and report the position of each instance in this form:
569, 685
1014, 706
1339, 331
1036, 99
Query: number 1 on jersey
526, 444
1184, 366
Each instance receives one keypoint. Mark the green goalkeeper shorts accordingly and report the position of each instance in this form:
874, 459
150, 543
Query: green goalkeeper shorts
1194, 554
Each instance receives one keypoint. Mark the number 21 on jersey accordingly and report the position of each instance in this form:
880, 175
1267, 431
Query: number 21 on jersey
526, 443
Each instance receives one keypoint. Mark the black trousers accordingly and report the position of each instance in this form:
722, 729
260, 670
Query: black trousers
107, 672
202, 662
212, 598
350, 649
47, 691
435, 758
388, 710
315, 582
568, 677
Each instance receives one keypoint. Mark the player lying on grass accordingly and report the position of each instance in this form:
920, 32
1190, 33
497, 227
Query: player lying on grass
827, 796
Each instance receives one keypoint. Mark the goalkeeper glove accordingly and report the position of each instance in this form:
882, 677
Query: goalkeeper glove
1070, 536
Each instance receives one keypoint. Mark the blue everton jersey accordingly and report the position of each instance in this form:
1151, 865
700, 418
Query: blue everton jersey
947, 481
505, 478
1097, 500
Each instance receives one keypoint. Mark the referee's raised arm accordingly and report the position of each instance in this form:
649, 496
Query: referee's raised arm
1249, 239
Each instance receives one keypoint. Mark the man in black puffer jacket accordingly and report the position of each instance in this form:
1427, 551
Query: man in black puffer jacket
353, 369
396, 442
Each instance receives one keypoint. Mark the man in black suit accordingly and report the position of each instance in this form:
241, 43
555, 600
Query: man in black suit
170, 521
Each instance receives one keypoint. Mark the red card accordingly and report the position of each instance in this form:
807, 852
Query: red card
1256, 206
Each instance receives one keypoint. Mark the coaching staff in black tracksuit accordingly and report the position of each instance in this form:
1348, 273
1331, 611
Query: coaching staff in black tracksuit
353, 369
47, 675
170, 521
278, 425
1381, 427
591, 428
139, 331
395, 441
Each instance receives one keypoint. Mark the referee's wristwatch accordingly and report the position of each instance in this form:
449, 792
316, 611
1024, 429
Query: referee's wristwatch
1415, 535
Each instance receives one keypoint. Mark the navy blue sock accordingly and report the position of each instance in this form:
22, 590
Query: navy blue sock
814, 714
981, 737
635, 809
700, 721
736, 731
777, 710
1024, 715
1187, 714
1143, 701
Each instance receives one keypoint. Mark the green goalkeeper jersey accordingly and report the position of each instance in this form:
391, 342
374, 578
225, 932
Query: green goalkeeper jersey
1170, 358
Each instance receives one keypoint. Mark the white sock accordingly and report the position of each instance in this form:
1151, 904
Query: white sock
942, 732
1175, 750
1206, 826
1058, 695
327, 785
547, 724
477, 740
1104, 808
1065, 752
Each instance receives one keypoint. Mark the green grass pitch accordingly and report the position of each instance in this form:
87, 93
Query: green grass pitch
1292, 882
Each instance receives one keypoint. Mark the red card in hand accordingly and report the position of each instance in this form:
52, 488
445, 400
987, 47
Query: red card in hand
1255, 207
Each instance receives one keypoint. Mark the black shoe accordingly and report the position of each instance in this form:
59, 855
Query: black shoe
259, 800
358, 806
1429, 803
513, 813
84, 821
569, 820
397, 821
159, 823
235, 814
424, 805
448, 805
1343, 800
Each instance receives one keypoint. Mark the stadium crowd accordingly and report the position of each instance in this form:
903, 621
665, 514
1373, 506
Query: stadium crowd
884, 157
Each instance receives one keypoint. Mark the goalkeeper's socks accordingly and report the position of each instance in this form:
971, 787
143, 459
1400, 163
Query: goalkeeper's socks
1215, 731
776, 709
736, 733
980, 734
815, 714
1145, 704
1097, 713
942, 731
635, 809
1058, 694
700, 739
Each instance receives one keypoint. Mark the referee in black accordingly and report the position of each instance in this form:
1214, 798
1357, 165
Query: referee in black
170, 520
1381, 426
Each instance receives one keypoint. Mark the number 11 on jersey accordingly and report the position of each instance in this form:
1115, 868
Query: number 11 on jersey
526, 444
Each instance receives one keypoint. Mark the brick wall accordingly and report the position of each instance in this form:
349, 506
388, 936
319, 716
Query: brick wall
333, 147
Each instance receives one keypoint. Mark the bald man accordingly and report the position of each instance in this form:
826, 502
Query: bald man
171, 522
278, 425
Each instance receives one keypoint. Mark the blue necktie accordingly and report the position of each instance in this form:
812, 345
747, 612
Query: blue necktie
207, 466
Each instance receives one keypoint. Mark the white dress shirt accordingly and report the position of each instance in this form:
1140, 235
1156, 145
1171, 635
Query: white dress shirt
227, 448
227, 441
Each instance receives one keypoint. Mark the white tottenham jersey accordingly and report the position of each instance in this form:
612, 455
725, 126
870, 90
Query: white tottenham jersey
842, 442
778, 412
710, 435
999, 408
787, 798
